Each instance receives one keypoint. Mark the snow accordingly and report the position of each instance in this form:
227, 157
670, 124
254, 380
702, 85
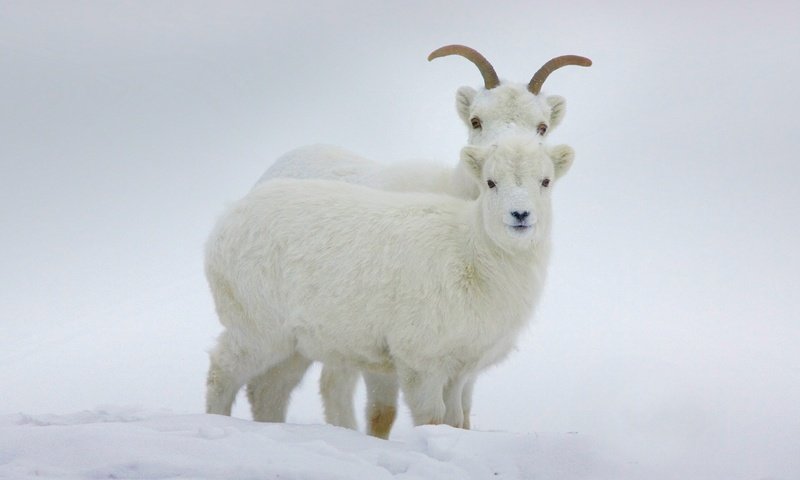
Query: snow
666, 345
131, 443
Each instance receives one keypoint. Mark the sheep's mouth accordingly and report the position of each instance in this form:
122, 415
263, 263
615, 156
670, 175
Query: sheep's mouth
520, 230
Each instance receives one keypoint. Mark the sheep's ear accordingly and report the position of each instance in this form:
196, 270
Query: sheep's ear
558, 106
473, 158
562, 156
464, 98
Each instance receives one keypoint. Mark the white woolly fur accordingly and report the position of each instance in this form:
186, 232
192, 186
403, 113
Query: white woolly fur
428, 287
510, 108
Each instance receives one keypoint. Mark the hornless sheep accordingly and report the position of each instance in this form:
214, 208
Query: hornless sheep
499, 108
429, 287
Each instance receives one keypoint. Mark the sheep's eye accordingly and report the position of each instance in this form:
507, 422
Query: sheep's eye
476, 122
541, 129
491, 183
546, 182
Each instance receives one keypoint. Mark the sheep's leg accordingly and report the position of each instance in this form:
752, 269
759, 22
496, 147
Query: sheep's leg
453, 393
221, 391
466, 400
382, 391
234, 361
270, 391
337, 386
423, 391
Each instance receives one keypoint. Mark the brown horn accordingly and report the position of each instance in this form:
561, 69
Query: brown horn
490, 79
535, 85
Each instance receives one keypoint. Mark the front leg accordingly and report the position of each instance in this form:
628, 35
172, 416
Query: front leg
466, 400
381, 402
423, 392
453, 394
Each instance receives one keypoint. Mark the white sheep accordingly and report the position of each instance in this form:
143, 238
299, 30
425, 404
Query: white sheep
503, 107
430, 288
342, 165
499, 108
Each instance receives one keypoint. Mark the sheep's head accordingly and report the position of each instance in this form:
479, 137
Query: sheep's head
515, 177
505, 107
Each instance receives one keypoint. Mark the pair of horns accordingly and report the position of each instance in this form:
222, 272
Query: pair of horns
490, 79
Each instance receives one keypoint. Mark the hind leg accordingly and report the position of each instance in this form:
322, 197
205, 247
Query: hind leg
270, 391
382, 391
234, 361
336, 387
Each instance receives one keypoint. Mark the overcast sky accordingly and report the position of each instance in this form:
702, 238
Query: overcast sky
671, 312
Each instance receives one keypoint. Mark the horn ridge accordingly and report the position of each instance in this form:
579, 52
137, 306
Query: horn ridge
535, 85
490, 79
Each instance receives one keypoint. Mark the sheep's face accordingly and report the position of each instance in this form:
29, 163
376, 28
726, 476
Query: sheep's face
516, 176
506, 109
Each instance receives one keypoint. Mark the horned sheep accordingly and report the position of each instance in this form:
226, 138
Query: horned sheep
499, 108
429, 287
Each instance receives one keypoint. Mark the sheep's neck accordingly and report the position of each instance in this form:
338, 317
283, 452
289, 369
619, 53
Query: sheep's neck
509, 284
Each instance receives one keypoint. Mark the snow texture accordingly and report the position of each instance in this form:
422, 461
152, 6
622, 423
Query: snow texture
135, 444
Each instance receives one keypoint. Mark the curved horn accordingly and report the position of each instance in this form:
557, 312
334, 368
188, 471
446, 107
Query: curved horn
490, 79
535, 85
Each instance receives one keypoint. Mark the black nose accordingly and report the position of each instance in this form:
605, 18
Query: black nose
520, 215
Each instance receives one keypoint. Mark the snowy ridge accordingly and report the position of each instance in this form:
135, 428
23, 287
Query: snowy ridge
131, 443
